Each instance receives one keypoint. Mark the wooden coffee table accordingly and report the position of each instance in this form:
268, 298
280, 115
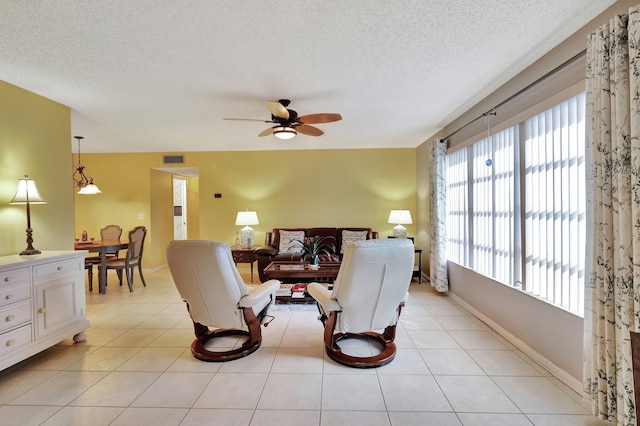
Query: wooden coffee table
296, 272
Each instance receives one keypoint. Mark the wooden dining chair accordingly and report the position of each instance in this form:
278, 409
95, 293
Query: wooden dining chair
109, 232
133, 258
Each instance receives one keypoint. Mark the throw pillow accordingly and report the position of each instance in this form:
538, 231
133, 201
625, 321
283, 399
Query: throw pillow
352, 237
290, 242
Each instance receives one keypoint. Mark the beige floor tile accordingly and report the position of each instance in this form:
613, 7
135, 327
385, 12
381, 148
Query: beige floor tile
217, 417
475, 394
291, 391
413, 393
94, 416
417, 418
425, 339
104, 359
407, 361
298, 360
484, 419
285, 418
151, 359
15, 382
150, 416
26, 415
451, 362
60, 389
232, 390
176, 390
475, 339
298, 338
173, 338
352, 392
538, 395
502, 363
118, 389
369, 418
419, 322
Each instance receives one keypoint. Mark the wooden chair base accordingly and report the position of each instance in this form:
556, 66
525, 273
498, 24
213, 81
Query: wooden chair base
334, 352
203, 335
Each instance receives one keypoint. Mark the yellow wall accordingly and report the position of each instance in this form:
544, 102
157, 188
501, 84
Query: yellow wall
35, 139
285, 188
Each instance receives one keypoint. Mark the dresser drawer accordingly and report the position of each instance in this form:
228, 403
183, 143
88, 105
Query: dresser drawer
15, 339
13, 315
54, 269
14, 276
15, 292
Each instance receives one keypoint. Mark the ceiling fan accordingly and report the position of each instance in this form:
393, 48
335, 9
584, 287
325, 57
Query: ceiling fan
288, 123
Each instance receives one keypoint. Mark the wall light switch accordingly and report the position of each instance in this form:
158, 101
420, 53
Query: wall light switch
140, 216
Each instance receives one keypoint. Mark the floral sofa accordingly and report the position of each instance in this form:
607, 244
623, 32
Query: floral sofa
282, 243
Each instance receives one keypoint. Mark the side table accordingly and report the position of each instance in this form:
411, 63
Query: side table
245, 255
417, 269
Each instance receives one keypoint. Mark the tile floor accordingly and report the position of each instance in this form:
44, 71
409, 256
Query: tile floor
136, 368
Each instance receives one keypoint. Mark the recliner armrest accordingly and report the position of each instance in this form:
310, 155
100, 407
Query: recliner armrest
267, 251
258, 293
323, 297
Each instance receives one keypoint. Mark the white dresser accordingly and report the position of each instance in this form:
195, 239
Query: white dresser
42, 301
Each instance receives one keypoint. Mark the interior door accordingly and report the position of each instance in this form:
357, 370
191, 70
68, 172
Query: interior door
179, 208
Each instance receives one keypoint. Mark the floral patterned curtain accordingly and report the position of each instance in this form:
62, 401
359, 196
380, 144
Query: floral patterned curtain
438, 215
612, 297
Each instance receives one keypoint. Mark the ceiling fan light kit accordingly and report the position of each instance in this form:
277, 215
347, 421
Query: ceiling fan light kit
284, 132
289, 124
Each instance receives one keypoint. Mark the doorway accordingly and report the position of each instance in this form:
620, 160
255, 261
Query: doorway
179, 208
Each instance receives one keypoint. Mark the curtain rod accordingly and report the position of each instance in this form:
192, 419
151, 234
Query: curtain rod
492, 111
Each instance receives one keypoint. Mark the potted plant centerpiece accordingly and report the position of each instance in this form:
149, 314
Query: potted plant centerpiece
313, 246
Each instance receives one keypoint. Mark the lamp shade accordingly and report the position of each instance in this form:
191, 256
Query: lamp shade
284, 132
400, 217
90, 189
247, 218
27, 193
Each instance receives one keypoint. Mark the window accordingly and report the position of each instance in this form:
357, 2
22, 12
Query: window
531, 174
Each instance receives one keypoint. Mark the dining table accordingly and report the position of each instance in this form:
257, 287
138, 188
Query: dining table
102, 247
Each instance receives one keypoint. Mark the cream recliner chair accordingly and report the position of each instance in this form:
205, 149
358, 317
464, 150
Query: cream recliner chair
367, 297
218, 300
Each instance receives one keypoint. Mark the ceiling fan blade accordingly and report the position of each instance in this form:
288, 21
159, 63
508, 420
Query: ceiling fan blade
319, 118
278, 109
266, 132
248, 119
309, 130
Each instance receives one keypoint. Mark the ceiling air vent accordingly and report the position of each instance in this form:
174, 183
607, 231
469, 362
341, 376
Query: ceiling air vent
173, 159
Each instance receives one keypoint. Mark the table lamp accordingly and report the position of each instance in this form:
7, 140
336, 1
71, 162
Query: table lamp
28, 194
246, 218
400, 217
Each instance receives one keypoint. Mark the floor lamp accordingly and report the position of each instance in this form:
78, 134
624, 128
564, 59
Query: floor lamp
28, 194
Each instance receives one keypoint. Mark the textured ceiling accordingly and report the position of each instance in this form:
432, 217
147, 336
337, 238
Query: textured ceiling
160, 75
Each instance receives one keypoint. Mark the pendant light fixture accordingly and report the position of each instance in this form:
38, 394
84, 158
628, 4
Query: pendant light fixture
86, 185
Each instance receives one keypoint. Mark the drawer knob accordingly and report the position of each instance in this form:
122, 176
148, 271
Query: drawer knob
8, 297
10, 318
42, 310
60, 268
11, 342
7, 279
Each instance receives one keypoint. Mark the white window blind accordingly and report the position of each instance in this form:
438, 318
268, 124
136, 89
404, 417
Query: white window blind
554, 206
457, 207
493, 203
